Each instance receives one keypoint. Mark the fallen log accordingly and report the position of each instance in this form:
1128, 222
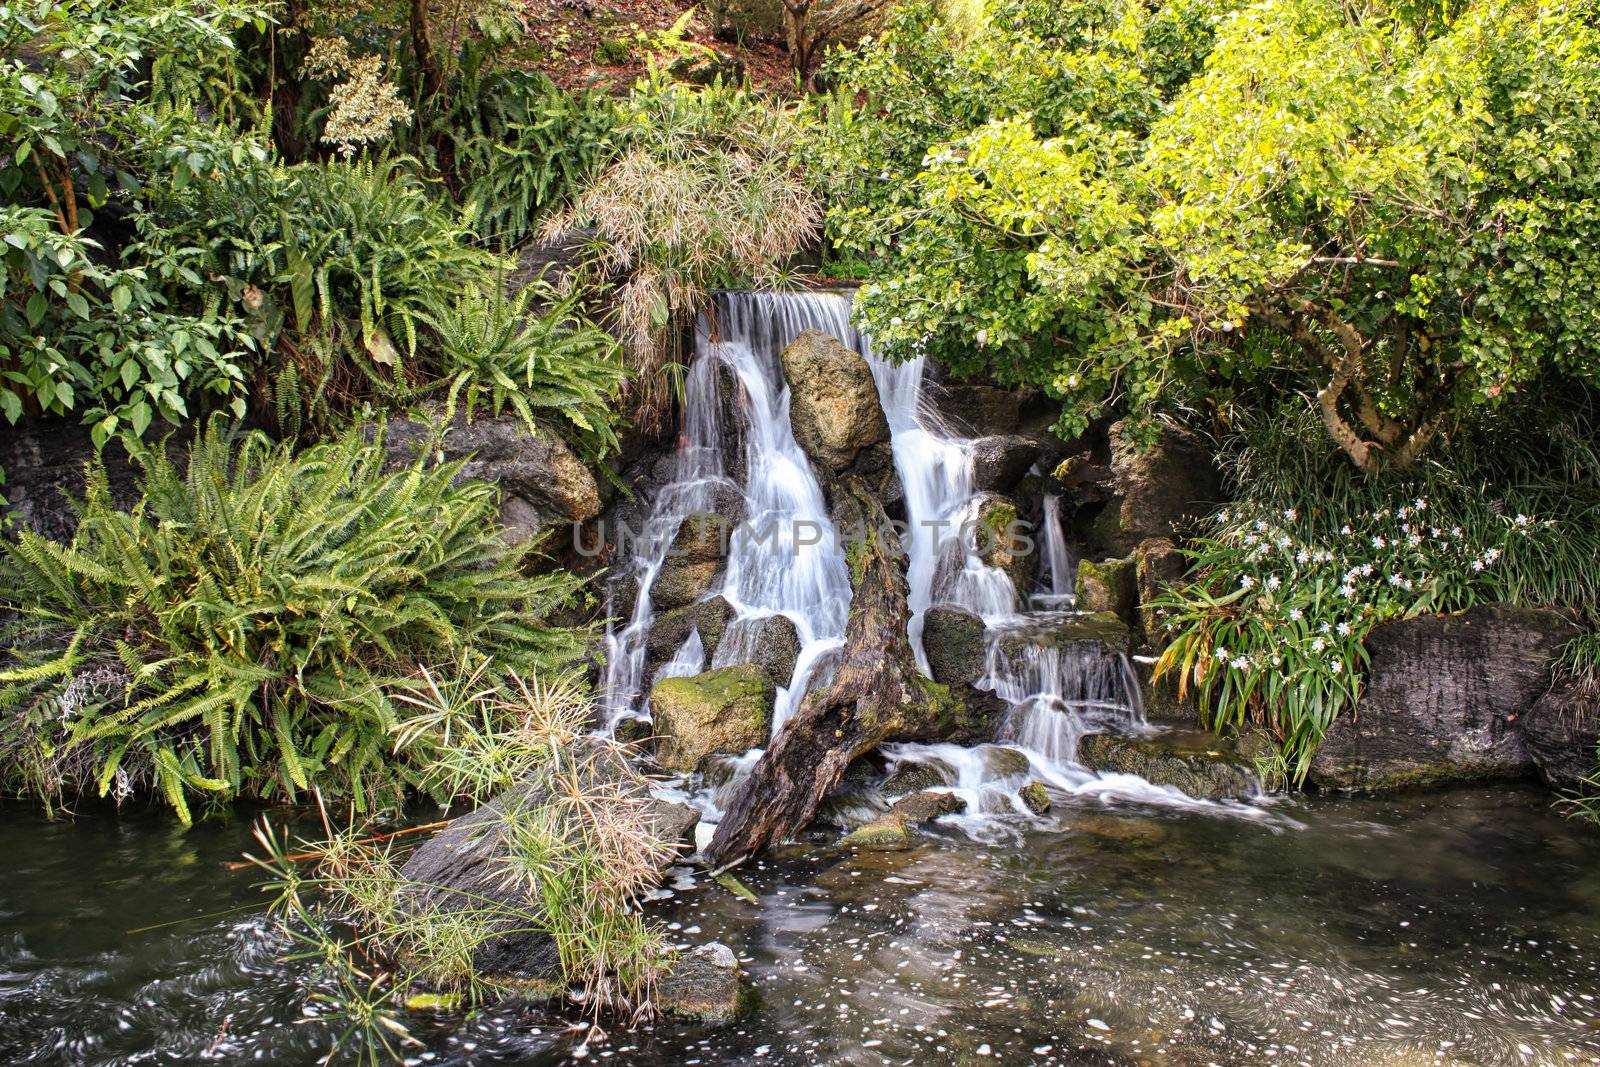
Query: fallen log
876, 691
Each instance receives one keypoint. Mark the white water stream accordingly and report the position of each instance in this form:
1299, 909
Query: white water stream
786, 558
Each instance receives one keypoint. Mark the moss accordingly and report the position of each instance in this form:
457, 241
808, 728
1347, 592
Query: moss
887, 833
1036, 797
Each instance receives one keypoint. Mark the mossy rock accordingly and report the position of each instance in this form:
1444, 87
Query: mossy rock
1192, 762
926, 806
954, 641
1110, 586
703, 985
711, 617
889, 832
914, 778
1035, 797
727, 710
1068, 629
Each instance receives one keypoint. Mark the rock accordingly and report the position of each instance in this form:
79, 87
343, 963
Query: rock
1156, 488
1158, 564
1109, 586
1035, 797
1000, 461
1002, 542
1444, 700
1062, 630
833, 405
707, 68
542, 484
692, 562
777, 644
702, 985
977, 409
953, 639
668, 631
1193, 762
633, 731
915, 777
1563, 729
463, 865
43, 463
926, 806
887, 833
712, 617
1160, 697
1001, 761
727, 710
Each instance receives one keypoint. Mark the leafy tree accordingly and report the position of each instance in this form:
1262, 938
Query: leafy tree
1391, 206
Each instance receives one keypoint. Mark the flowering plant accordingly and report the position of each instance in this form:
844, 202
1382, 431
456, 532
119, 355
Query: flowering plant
1272, 629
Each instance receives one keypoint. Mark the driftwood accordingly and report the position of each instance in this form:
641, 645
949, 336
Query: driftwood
875, 688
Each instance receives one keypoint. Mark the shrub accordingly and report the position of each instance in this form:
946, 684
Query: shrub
580, 851
1289, 581
238, 632
707, 193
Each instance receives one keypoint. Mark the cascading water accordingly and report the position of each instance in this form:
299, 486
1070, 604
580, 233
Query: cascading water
786, 558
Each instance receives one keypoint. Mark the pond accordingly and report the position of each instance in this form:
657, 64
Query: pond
1460, 927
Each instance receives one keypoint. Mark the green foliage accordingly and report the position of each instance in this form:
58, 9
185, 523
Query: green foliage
494, 354
238, 633
1393, 209
708, 193
521, 146
1288, 583
77, 337
579, 849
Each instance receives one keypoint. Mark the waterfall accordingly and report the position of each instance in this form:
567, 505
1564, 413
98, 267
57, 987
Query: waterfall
1060, 570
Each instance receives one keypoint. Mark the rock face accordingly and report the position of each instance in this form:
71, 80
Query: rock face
1109, 586
43, 461
1444, 700
1563, 730
1157, 565
978, 409
542, 483
463, 866
1155, 488
1195, 763
833, 403
701, 985
727, 710
953, 639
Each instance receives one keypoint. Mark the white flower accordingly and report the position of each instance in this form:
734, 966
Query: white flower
1420, 504
1414, 540
1455, 531
1250, 539
1523, 520
1347, 591
1491, 554
1302, 556
1222, 653
1345, 530
1284, 542
1337, 666
1273, 582
1324, 628
1366, 570
1318, 644
1289, 513
1277, 660
1394, 580
1223, 516
1261, 524
1247, 582
1477, 564
1239, 663
1433, 531
1378, 542
1295, 614
1344, 629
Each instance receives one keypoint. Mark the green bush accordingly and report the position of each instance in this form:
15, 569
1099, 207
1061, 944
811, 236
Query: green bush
1289, 581
238, 632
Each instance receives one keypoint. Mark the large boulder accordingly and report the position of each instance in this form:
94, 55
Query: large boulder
712, 616
1563, 731
1191, 762
777, 648
464, 866
833, 401
953, 639
723, 711
668, 631
1444, 700
542, 484
975, 410
1156, 488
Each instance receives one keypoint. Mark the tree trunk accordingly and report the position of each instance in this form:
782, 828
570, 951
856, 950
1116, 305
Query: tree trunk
874, 689
427, 55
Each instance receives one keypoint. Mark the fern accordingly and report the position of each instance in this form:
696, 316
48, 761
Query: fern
238, 632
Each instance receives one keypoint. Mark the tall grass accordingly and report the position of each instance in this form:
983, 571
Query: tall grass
239, 632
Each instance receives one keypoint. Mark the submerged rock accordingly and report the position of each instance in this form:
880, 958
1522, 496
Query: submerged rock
926, 806
1199, 764
1065, 629
702, 985
1444, 700
723, 711
953, 639
542, 482
833, 404
889, 832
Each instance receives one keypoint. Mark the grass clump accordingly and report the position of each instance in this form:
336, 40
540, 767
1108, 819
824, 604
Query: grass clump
238, 632
576, 845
